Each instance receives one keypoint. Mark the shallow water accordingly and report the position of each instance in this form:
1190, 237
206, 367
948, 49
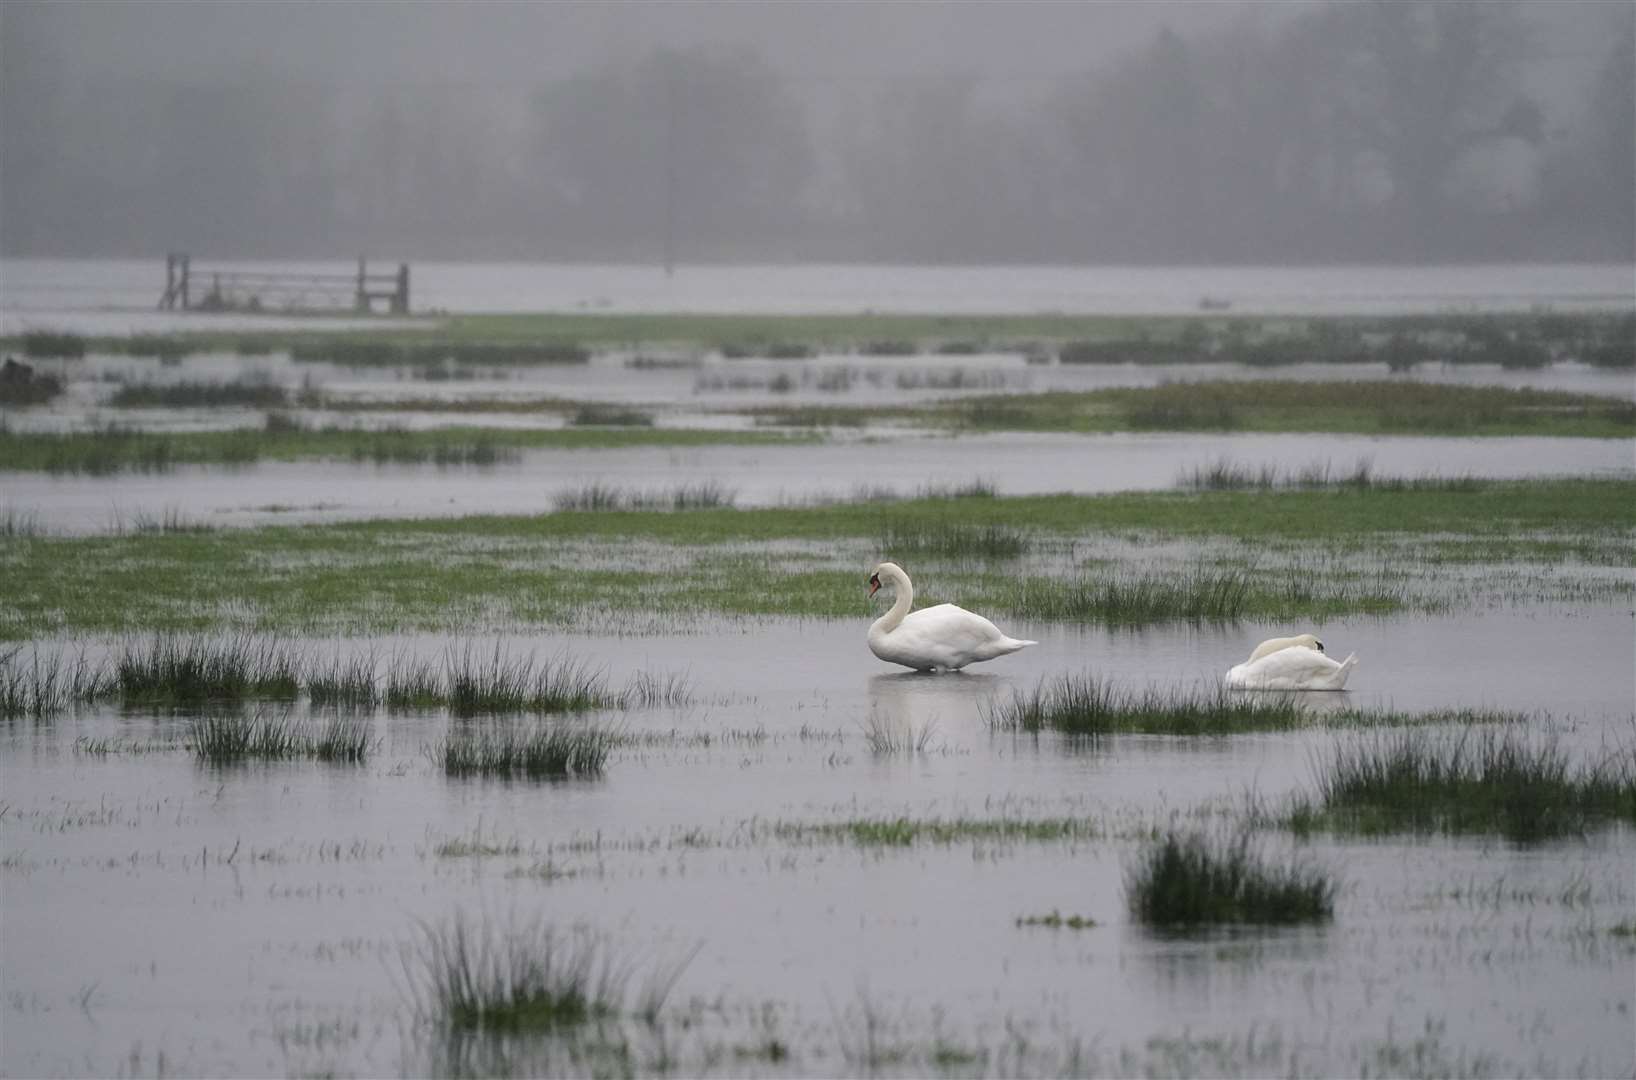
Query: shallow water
77, 294
1015, 464
252, 921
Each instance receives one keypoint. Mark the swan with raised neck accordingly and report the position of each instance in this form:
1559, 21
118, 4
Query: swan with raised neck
940, 638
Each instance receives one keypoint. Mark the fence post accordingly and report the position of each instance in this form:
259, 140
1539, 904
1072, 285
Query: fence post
400, 299
360, 299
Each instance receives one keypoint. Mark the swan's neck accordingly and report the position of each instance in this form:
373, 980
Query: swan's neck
905, 597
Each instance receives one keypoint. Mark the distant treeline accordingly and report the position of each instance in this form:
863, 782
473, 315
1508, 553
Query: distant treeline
1361, 132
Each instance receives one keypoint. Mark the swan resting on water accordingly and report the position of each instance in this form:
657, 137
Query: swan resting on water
1291, 663
944, 637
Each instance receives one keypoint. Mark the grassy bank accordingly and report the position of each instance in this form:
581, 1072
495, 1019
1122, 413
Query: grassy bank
1378, 407
1520, 339
114, 449
623, 567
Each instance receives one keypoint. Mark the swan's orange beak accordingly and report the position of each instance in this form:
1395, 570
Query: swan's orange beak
874, 584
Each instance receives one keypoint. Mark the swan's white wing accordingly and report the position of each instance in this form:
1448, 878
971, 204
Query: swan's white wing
946, 636
1291, 669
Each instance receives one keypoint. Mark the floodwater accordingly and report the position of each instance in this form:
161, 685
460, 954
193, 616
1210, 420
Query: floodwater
766, 475
119, 296
162, 916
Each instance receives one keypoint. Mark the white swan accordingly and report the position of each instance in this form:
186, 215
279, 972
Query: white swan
943, 637
1275, 644
1292, 663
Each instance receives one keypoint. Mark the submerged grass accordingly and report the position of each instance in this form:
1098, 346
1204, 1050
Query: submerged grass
472, 978
460, 575
1224, 474
596, 496
243, 394
953, 540
1088, 705
534, 751
113, 449
47, 684
1193, 880
176, 670
224, 739
501, 683
1474, 782
1380, 407
346, 682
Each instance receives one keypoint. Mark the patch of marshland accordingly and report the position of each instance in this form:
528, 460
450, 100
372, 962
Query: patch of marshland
1195, 879
1500, 782
953, 540
1197, 593
596, 415
886, 735
595, 496
173, 670
226, 739
532, 750
473, 977
41, 686
247, 394
1224, 474
501, 683
1056, 920
111, 448
194, 670
1118, 559
1087, 705
365, 352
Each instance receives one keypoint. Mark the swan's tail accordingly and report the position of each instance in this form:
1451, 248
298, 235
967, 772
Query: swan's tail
1010, 645
1338, 679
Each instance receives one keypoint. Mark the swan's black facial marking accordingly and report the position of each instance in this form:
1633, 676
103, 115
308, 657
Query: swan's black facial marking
1320, 646
874, 584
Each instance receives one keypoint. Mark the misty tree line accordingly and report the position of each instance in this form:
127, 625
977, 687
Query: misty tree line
1360, 131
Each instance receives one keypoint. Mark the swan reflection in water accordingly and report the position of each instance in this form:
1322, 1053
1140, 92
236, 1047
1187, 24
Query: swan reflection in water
904, 706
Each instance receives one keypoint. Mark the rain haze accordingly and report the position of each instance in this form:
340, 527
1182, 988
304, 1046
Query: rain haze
1246, 133
817, 539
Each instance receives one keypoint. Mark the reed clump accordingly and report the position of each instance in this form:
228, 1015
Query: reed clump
47, 684
595, 415
599, 496
1190, 880
241, 394
191, 670
1087, 705
1490, 781
532, 751
51, 344
1197, 595
472, 978
230, 739
344, 682
953, 540
501, 683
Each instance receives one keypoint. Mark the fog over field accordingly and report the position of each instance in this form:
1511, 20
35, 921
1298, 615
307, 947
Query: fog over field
935, 133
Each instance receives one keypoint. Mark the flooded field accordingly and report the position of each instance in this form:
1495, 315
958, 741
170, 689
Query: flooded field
163, 915
518, 718
1013, 464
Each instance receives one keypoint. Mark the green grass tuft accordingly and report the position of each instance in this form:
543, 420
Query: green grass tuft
505, 684
225, 739
1473, 782
474, 979
245, 394
174, 670
537, 751
1191, 880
